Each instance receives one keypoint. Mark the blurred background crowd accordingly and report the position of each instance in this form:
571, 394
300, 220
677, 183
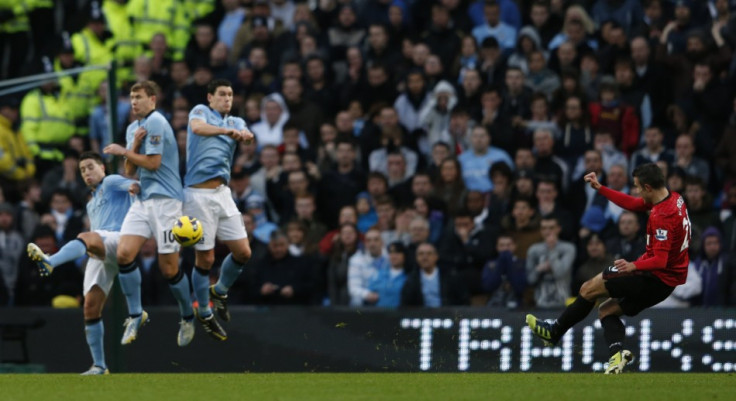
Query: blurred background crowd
408, 152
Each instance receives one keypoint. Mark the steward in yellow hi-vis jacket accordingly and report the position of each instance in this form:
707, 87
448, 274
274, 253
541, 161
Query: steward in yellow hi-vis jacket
169, 17
16, 162
77, 90
47, 122
14, 37
92, 46
125, 47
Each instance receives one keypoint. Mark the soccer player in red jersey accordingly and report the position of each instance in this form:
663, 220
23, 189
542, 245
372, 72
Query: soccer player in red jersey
631, 286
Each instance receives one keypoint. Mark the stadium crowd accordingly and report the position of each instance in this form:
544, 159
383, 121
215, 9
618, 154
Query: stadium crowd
408, 152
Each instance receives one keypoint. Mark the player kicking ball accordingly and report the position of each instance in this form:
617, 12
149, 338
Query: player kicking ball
631, 287
212, 137
151, 153
111, 199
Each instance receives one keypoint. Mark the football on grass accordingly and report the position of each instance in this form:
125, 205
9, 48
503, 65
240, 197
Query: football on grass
187, 230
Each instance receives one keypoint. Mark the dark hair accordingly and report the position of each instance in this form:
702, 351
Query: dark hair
649, 174
216, 83
695, 180
500, 168
377, 175
62, 192
149, 87
463, 213
345, 140
290, 125
91, 155
278, 234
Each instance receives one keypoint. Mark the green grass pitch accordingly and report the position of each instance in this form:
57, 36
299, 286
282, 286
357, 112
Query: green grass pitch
370, 387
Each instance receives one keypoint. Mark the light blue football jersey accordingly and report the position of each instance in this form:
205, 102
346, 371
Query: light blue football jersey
160, 140
110, 203
210, 157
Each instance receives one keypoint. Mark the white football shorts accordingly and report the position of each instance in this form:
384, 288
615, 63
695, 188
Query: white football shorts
102, 272
216, 210
155, 216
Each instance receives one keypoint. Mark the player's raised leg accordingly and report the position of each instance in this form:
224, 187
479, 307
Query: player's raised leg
551, 332
130, 283
72, 250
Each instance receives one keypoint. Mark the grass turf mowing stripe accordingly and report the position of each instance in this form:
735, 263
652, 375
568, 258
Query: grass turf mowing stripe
369, 386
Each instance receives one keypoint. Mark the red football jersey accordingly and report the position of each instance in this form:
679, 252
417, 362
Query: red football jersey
668, 235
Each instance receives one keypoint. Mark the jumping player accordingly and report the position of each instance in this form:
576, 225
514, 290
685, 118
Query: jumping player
152, 153
212, 137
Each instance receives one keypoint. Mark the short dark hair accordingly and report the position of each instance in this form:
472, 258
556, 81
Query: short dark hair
91, 155
649, 174
216, 83
345, 140
463, 213
278, 234
695, 180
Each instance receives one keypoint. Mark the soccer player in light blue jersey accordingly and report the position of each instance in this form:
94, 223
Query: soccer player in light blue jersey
212, 137
152, 153
111, 199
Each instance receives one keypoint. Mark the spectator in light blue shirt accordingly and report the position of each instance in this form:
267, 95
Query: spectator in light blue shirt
388, 282
510, 13
234, 16
99, 129
504, 33
478, 160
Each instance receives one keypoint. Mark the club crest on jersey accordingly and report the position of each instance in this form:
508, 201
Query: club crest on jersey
155, 139
661, 234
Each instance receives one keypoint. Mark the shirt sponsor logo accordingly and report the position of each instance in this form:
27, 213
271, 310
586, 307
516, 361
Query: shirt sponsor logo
661, 234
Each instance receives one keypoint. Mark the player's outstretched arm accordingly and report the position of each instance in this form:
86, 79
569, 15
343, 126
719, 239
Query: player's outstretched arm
621, 199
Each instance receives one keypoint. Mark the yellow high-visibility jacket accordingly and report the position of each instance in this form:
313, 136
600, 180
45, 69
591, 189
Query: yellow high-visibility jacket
79, 95
125, 48
16, 161
47, 123
20, 8
169, 17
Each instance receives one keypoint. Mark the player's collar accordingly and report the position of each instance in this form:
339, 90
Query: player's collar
99, 184
669, 193
218, 113
147, 115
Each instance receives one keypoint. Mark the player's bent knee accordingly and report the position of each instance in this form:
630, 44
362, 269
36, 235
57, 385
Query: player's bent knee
242, 256
205, 260
610, 307
587, 290
241, 252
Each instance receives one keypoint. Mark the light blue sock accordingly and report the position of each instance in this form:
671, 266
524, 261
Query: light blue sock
229, 272
201, 285
95, 333
179, 286
130, 284
73, 249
